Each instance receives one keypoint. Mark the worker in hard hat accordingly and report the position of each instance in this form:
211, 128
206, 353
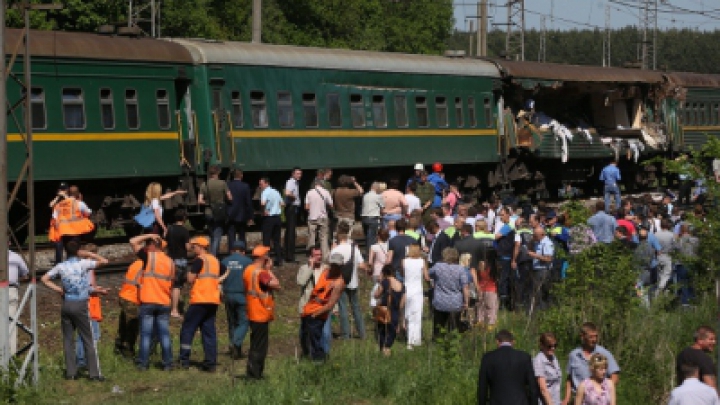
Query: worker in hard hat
419, 168
437, 178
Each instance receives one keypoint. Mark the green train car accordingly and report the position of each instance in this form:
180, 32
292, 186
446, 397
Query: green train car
112, 113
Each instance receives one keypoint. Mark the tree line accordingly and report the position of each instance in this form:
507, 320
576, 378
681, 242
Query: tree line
412, 26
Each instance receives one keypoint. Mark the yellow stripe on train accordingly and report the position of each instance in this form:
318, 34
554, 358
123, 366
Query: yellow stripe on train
96, 136
362, 133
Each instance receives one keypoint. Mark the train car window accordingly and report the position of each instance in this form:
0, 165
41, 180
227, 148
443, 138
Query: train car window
488, 112
334, 110
379, 111
259, 109
471, 112
107, 112
357, 110
163, 108
694, 113
421, 110
131, 109
401, 115
703, 114
716, 114
237, 111
310, 111
285, 109
459, 118
441, 111
687, 113
73, 108
37, 105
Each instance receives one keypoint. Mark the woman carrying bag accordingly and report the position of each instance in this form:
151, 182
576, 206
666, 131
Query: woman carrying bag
391, 296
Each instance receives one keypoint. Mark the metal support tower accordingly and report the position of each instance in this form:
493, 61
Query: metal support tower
15, 366
515, 40
649, 28
482, 28
543, 40
257, 21
145, 13
607, 47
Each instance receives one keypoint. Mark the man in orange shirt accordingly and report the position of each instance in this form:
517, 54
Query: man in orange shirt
128, 323
259, 284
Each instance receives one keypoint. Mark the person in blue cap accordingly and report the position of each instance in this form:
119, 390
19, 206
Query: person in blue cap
234, 297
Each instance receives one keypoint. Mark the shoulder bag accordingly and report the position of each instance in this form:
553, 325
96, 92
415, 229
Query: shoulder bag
328, 208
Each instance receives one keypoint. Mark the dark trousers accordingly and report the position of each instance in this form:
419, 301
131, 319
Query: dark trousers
522, 284
448, 321
291, 216
75, 316
684, 191
199, 316
259, 341
686, 291
504, 281
236, 310
371, 225
271, 229
540, 288
128, 328
236, 232
311, 333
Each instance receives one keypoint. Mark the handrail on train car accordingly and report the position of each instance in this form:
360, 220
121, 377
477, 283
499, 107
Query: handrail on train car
216, 124
197, 139
232, 141
183, 159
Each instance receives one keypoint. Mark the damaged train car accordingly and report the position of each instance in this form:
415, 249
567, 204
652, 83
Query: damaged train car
562, 123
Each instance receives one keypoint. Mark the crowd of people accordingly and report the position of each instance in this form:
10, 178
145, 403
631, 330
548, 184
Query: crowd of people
423, 239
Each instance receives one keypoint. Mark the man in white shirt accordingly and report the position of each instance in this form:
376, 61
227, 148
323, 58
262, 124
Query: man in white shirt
350, 297
317, 202
372, 206
292, 207
17, 270
692, 391
413, 202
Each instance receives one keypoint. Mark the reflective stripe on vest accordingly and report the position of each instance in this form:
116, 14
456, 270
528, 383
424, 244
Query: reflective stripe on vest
129, 289
413, 234
260, 305
319, 296
157, 279
206, 289
70, 221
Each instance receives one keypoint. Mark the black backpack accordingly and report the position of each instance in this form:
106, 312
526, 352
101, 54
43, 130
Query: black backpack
347, 268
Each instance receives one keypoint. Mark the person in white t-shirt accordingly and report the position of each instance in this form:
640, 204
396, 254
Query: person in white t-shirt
413, 202
349, 296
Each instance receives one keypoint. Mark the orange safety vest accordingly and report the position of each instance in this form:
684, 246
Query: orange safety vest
157, 279
320, 295
129, 289
69, 220
260, 304
206, 289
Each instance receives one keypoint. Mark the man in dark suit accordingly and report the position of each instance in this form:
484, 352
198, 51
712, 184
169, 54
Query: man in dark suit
240, 211
468, 244
438, 244
506, 375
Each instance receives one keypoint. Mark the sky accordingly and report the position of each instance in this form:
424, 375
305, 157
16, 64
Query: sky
579, 14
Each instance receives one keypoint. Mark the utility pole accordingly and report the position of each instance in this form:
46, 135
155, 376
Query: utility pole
4, 276
141, 12
482, 28
470, 37
515, 39
543, 40
648, 44
606, 39
257, 21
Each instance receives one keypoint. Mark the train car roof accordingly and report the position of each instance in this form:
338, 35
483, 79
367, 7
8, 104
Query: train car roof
78, 45
575, 73
687, 79
244, 53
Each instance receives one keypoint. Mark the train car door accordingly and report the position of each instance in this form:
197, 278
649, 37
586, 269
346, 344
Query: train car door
222, 135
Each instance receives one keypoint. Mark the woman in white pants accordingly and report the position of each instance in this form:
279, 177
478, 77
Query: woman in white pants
414, 267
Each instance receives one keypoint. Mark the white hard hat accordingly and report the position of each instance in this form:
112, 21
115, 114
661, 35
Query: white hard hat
419, 166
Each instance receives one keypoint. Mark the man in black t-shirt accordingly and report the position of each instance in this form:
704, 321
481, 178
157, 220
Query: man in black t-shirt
178, 238
397, 246
705, 340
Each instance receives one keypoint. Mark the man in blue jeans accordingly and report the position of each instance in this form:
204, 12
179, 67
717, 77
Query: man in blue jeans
234, 297
350, 299
505, 246
155, 292
610, 175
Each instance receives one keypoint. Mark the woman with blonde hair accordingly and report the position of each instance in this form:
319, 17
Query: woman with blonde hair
472, 285
414, 267
153, 196
598, 389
